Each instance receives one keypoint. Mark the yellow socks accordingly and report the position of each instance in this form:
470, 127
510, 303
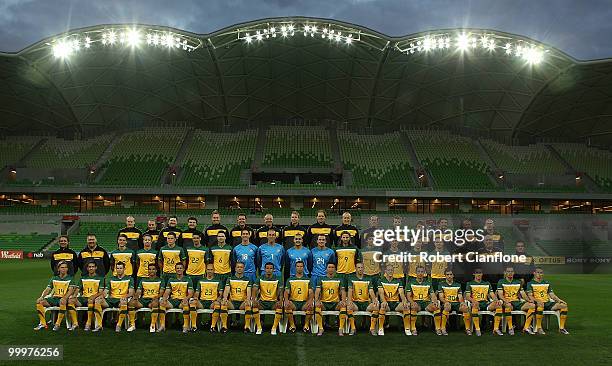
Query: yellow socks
406, 319
342, 319
498, 317
529, 318
154, 315
186, 316
413, 319
539, 316
319, 318
307, 319
467, 320
562, 318
90, 312
73, 315
351, 319
224, 316
41, 313
247, 317
60, 315
98, 314
289, 313
373, 320
508, 314
437, 319
257, 318
162, 316
444, 318
278, 314
132, 316
476, 319
122, 313
381, 319
193, 316
215, 316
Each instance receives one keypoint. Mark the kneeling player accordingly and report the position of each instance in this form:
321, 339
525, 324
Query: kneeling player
329, 295
237, 293
511, 293
269, 287
209, 295
119, 289
89, 286
540, 291
480, 294
59, 288
147, 296
298, 296
391, 291
179, 290
449, 293
423, 297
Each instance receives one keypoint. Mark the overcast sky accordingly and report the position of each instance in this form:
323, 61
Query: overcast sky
581, 28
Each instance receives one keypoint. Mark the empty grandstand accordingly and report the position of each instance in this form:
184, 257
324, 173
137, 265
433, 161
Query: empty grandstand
62, 153
298, 147
597, 163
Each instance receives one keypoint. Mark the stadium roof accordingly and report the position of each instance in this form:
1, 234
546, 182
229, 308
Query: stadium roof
109, 76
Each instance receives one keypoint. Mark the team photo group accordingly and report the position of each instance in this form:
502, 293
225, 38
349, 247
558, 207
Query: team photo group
312, 278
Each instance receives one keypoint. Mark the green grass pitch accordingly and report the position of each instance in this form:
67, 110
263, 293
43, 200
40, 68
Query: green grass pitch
589, 322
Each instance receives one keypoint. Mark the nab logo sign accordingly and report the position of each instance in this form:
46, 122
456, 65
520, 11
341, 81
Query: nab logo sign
36, 255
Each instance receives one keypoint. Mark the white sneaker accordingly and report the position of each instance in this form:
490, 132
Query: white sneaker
381, 331
72, 327
259, 331
40, 326
152, 329
407, 332
97, 329
131, 328
273, 331
56, 328
118, 328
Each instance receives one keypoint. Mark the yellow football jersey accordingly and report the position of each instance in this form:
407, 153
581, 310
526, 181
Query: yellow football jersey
298, 289
330, 289
196, 262
346, 259
151, 289
60, 286
370, 266
268, 288
125, 258
144, 259
361, 289
221, 259
119, 287
238, 288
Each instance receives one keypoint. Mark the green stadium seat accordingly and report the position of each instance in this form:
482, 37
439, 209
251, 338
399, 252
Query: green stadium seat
288, 146
60, 153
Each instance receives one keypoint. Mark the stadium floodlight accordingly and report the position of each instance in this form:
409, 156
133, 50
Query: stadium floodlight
532, 55
258, 36
132, 37
491, 45
247, 38
62, 49
87, 42
349, 39
463, 42
427, 43
111, 37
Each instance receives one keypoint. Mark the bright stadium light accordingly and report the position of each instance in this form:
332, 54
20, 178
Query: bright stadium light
349, 39
532, 55
463, 42
132, 37
62, 49
247, 38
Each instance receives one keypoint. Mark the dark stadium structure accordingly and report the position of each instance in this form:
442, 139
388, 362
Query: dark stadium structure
303, 113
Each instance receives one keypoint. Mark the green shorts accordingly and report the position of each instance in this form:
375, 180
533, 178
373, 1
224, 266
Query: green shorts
329, 306
298, 305
145, 302
483, 305
82, 300
237, 304
206, 304
455, 306
267, 305
423, 304
549, 304
112, 302
361, 305
53, 301
176, 303
517, 305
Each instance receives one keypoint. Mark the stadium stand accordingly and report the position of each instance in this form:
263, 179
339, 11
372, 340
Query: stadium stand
376, 161
61, 153
307, 186
26, 209
452, 160
288, 146
13, 149
597, 163
26, 242
531, 159
216, 159
106, 233
141, 158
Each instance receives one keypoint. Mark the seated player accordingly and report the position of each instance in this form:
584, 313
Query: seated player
361, 297
147, 296
510, 292
89, 286
540, 291
59, 288
179, 290
238, 293
298, 296
392, 298
422, 296
449, 293
482, 298
117, 291
330, 294
209, 295
268, 295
